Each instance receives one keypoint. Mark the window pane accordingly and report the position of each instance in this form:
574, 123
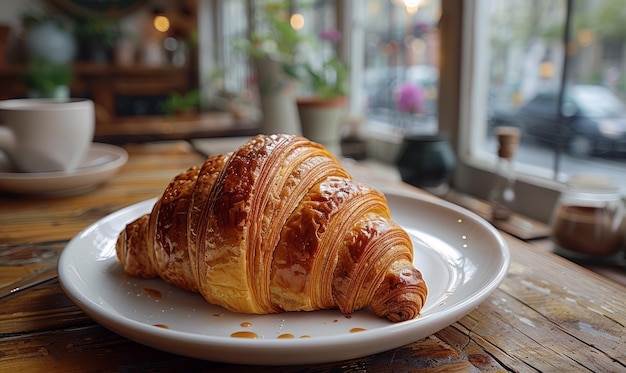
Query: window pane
318, 16
234, 27
401, 64
569, 126
398, 84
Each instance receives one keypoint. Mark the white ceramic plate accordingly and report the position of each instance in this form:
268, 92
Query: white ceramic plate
462, 257
101, 161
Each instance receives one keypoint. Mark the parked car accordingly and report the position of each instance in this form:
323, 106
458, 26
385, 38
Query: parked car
593, 122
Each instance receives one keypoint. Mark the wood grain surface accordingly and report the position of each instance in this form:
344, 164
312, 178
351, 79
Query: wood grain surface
548, 315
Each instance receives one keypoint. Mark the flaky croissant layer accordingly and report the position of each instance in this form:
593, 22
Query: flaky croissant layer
278, 225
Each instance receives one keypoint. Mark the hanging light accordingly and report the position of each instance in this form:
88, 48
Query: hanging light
411, 6
161, 23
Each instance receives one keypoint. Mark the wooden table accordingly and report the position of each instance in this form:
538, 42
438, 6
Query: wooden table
548, 315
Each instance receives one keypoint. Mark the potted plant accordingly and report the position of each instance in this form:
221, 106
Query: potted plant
47, 37
181, 104
45, 79
278, 40
274, 51
96, 38
322, 109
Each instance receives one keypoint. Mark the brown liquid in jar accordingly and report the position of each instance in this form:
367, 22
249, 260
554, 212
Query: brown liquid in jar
589, 230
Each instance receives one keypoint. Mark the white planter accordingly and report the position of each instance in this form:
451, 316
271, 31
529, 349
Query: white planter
50, 43
277, 99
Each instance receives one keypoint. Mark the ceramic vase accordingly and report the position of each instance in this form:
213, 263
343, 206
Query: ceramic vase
50, 43
322, 121
427, 162
277, 99
125, 53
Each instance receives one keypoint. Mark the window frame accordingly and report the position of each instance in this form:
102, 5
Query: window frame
537, 189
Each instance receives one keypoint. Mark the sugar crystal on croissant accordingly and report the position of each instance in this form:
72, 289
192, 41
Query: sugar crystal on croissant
278, 225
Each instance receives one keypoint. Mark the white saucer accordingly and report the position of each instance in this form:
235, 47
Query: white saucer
101, 161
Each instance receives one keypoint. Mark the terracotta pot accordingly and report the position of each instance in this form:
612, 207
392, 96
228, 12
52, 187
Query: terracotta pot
322, 120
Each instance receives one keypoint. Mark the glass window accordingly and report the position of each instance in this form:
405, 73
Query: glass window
394, 80
401, 75
231, 26
551, 69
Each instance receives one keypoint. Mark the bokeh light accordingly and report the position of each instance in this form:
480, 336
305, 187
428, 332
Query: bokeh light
161, 23
297, 21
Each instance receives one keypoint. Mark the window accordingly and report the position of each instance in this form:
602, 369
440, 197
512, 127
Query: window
391, 47
515, 70
401, 55
545, 68
227, 21
396, 84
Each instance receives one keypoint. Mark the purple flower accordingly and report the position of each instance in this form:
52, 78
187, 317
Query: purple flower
330, 34
410, 98
421, 28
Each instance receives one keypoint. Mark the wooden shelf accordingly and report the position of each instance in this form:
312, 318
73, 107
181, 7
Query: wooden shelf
104, 82
157, 128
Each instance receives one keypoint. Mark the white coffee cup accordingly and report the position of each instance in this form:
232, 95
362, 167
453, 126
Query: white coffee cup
45, 135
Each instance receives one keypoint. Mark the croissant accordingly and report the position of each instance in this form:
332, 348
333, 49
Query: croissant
278, 225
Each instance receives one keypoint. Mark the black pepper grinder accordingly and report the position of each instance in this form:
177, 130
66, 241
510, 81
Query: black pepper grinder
502, 195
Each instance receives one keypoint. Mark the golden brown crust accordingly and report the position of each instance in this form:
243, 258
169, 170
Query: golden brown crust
402, 294
278, 225
131, 249
205, 181
171, 253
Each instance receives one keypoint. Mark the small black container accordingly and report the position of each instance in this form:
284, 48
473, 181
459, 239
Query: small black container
427, 161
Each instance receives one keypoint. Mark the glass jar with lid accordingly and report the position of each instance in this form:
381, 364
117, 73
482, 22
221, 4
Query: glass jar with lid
589, 217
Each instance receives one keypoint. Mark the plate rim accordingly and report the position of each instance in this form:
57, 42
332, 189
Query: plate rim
257, 351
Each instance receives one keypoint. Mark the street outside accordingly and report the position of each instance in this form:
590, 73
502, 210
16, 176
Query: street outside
536, 155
